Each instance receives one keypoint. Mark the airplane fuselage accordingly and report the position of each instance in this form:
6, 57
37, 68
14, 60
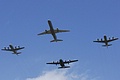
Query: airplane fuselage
12, 48
105, 39
52, 30
62, 63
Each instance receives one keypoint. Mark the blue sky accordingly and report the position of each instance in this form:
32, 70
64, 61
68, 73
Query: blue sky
87, 20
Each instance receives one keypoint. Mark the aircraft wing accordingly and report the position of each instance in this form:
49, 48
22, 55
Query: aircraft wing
53, 63
58, 31
99, 41
70, 61
13, 49
19, 48
112, 39
45, 32
7, 49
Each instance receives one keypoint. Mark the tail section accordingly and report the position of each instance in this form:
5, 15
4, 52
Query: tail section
56, 40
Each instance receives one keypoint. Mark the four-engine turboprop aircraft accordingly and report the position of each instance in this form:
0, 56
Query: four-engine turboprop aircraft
53, 32
62, 63
14, 50
106, 41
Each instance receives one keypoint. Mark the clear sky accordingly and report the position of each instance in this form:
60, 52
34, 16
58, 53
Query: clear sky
87, 20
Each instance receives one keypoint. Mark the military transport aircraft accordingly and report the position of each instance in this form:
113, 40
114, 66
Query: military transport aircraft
14, 50
62, 63
53, 32
106, 41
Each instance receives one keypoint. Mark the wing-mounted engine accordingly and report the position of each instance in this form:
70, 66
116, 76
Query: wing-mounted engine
69, 61
46, 31
18, 46
8, 48
113, 38
66, 61
15, 47
109, 39
97, 39
5, 48
57, 30
101, 39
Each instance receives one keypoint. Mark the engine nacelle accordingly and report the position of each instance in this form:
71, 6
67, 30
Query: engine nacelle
18, 46
4, 47
112, 37
101, 39
97, 39
15, 47
57, 29
46, 31
109, 39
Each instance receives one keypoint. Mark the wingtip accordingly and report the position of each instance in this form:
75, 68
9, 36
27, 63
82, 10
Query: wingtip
76, 60
39, 34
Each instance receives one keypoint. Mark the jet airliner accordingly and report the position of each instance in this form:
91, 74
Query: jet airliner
53, 32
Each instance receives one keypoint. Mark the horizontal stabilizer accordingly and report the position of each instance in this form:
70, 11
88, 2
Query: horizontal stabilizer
56, 40
106, 45
17, 53
64, 67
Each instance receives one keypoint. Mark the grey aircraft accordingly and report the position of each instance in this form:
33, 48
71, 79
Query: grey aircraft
106, 41
13, 49
53, 32
62, 63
